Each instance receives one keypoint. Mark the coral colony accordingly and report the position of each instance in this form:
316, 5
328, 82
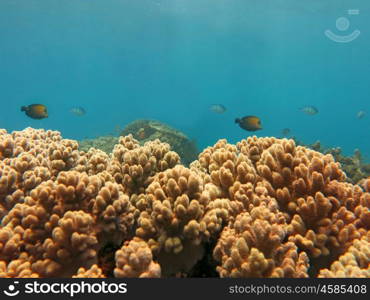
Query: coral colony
264, 207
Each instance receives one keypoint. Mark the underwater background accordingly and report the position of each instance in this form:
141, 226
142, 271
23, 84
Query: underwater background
170, 60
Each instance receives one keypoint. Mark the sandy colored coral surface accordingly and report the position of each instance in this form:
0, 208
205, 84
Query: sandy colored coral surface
263, 207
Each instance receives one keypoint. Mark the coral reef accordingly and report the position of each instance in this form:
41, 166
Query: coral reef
263, 207
147, 130
354, 166
135, 259
353, 263
103, 143
144, 131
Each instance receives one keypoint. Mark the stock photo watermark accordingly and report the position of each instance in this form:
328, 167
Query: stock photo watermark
70, 289
342, 24
12, 290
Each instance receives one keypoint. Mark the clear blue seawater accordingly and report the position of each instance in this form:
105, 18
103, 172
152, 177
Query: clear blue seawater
170, 60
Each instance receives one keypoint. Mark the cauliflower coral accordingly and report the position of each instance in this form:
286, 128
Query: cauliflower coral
261, 208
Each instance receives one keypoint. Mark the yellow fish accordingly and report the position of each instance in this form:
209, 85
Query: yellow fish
250, 123
35, 111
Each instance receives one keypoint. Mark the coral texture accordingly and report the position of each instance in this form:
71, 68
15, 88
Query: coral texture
263, 207
144, 131
135, 259
354, 166
93, 272
149, 130
353, 263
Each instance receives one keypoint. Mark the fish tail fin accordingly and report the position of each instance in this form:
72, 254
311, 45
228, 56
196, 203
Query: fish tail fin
237, 120
23, 108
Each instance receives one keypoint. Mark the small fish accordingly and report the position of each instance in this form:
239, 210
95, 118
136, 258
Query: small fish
78, 111
141, 133
310, 110
360, 114
218, 108
285, 131
250, 123
35, 111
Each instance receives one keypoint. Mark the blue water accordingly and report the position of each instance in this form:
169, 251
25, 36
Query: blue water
171, 59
